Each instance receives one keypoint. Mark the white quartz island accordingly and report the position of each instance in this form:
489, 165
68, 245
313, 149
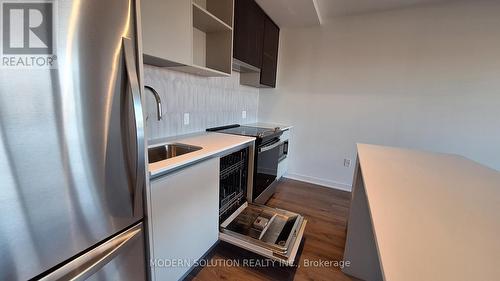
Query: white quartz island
423, 216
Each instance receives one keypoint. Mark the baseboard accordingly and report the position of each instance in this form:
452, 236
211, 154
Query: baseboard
319, 181
196, 268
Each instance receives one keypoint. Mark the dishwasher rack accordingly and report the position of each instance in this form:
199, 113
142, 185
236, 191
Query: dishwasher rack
233, 182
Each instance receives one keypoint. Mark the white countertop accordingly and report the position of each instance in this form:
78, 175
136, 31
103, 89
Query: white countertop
269, 125
211, 143
435, 216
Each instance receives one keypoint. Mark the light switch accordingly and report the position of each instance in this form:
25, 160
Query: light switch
186, 118
244, 114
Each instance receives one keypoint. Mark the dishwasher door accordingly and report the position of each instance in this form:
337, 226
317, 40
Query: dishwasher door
270, 232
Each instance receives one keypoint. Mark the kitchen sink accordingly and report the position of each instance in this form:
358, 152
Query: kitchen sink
162, 152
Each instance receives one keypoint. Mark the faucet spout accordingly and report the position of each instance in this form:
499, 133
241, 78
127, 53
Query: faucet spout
158, 101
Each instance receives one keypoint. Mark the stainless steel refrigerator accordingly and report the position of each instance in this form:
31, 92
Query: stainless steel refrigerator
72, 167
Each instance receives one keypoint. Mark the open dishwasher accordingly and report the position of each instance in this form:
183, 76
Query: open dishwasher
270, 232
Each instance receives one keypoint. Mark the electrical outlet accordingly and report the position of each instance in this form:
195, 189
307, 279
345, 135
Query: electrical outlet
244, 114
347, 163
186, 118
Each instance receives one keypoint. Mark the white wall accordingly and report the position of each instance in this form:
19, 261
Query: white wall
425, 78
210, 102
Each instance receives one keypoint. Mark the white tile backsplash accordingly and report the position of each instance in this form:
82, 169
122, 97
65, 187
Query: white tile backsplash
210, 102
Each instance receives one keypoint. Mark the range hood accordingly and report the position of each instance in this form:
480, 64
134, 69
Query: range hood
249, 74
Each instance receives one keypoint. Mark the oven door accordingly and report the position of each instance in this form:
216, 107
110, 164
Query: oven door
266, 166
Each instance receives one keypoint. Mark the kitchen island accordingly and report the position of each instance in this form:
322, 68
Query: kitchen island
422, 216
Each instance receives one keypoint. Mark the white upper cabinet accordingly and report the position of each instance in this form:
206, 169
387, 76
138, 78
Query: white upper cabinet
166, 31
189, 36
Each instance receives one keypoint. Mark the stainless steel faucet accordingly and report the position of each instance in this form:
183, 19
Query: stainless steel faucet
158, 101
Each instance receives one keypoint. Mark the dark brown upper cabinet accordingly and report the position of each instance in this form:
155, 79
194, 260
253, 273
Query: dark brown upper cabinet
249, 32
269, 53
255, 46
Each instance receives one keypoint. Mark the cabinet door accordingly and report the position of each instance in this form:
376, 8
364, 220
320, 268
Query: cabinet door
242, 24
270, 53
185, 215
248, 32
256, 48
167, 30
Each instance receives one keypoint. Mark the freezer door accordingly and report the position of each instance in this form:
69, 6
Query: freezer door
120, 258
71, 137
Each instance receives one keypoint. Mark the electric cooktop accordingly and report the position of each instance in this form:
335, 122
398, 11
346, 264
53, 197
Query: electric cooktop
258, 132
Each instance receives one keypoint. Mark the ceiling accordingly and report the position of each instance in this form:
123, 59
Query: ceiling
301, 13
335, 8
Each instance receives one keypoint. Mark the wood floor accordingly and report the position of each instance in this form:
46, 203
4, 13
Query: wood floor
325, 209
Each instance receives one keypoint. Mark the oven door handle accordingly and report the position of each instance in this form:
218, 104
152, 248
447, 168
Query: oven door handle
267, 148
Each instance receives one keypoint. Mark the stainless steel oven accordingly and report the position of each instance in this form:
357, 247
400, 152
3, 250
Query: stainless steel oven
266, 168
270, 150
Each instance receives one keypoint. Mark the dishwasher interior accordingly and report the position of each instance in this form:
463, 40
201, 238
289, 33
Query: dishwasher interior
271, 232
233, 182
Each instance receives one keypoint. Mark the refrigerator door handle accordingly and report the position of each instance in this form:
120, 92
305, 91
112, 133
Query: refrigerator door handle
132, 76
89, 263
